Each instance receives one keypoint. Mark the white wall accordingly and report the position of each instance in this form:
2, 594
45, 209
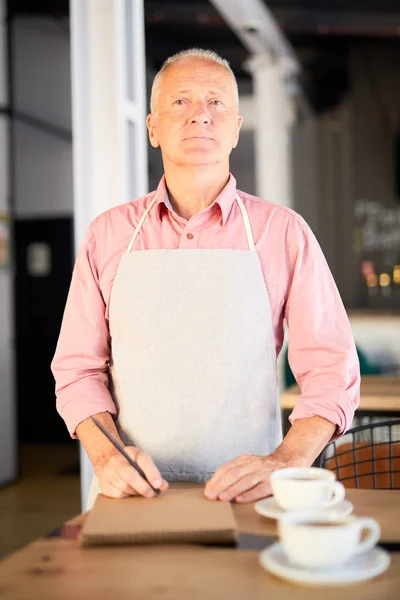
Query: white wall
42, 89
43, 186
42, 76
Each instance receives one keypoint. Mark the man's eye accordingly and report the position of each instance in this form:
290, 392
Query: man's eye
179, 102
216, 102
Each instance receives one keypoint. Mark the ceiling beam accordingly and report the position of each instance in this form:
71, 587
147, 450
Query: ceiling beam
257, 29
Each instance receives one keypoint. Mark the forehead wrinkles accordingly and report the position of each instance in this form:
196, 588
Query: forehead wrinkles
218, 80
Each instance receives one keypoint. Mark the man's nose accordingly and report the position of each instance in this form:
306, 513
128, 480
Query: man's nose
200, 114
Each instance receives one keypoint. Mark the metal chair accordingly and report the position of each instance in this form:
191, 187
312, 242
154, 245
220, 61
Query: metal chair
366, 457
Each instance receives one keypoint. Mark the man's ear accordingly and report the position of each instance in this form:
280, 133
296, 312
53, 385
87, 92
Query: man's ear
238, 125
151, 126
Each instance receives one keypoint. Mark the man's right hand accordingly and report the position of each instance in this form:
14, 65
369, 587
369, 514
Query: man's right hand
118, 479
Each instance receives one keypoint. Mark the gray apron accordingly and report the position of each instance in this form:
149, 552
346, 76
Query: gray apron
193, 371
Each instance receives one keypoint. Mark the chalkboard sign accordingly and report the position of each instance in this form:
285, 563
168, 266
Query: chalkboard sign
376, 241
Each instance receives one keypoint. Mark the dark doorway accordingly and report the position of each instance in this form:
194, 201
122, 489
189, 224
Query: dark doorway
44, 262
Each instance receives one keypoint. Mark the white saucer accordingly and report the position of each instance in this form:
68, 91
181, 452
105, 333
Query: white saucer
360, 568
270, 508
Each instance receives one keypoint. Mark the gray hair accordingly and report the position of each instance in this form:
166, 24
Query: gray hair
195, 53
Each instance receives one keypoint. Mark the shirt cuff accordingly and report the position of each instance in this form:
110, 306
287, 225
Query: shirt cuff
338, 410
74, 413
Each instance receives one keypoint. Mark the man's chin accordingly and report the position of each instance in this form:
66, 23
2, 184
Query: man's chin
200, 159
197, 164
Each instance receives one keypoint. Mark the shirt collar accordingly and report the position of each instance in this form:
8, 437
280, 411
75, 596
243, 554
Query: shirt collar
225, 199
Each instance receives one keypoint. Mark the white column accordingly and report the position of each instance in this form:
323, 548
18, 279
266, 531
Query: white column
8, 428
109, 110
272, 135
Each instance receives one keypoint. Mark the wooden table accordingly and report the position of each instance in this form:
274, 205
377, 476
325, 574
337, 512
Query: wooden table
379, 396
56, 567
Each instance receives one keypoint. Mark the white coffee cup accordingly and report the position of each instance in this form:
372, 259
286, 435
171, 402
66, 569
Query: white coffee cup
298, 488
322, 539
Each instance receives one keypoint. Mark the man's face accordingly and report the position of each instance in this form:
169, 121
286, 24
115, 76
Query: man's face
196, 121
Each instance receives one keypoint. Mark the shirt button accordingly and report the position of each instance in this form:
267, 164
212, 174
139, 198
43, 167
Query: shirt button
189, 236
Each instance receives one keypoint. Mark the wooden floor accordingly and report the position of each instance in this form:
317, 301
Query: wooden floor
46, 494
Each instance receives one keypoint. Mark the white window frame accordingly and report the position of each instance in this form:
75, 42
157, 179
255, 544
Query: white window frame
132, 112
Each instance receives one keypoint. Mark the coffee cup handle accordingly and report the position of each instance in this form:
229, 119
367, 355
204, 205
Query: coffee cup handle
373, 535
338, 493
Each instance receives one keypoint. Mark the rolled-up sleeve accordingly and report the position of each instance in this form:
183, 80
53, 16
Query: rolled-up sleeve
322, 352
80, 364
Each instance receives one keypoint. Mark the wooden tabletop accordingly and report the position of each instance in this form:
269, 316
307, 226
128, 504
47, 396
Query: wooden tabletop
57, 567
378, 393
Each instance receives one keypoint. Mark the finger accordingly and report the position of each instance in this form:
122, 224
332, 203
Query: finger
262, 490
111, 491
151, 471
132, 479
119, 478
117, 473
109, 476
221, 472
230, 477
146, 463
246, 483
130, 475
164, 486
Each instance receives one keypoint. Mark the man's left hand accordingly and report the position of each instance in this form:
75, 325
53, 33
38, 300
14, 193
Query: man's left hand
243, 479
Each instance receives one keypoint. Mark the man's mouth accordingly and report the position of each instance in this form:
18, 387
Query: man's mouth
198, 137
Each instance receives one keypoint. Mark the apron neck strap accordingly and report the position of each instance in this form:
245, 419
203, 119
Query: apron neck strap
139, 225
247, 226
246, 221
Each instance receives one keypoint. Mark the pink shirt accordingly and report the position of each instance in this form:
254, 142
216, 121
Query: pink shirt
300, 287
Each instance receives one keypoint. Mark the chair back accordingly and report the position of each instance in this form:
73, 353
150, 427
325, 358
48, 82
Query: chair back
366, 457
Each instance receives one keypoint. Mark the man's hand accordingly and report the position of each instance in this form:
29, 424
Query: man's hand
244, 479
118, 479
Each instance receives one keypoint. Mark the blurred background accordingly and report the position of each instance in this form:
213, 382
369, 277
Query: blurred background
320, 94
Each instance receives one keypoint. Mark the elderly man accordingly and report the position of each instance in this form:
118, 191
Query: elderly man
175, 316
